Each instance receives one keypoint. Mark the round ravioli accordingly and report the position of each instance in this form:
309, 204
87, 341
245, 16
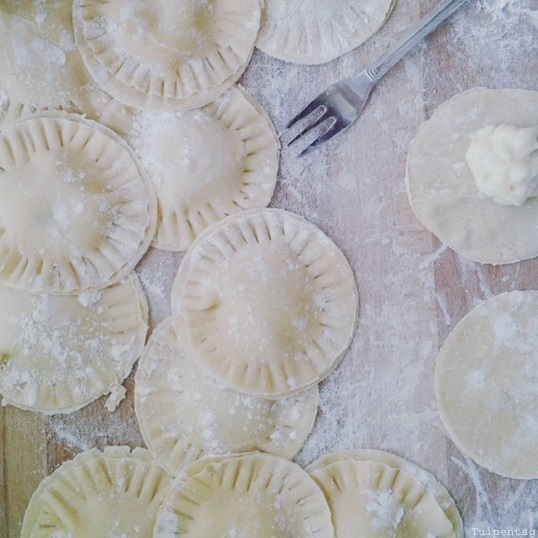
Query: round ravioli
485, 381
430, 483
99, 494
369, 498
166, 54
77, 211
442, 189
206, 164
41, 68
245, 496
184, 414
267, 301
312, 32
59, 353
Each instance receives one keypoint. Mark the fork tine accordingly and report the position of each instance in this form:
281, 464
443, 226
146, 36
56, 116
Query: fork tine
333, 130
321, 120
306, 111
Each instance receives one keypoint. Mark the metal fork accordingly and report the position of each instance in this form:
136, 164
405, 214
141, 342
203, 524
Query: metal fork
342, 103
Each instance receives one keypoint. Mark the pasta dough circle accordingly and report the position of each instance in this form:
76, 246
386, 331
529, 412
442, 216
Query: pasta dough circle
441, 187
184, 414
207, 164
369, 498
41, 67
267, 301
441, 495
77, 211
107, 494
251, 495
176, 54
59, 353
312, 32
485, 382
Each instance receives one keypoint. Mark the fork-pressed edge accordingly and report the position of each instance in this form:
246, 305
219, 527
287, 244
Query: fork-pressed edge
342, 103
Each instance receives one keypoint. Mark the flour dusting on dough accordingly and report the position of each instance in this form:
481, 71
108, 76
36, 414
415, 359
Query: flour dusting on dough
386, 514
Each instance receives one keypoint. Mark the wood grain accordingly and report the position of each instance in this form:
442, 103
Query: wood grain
413, 290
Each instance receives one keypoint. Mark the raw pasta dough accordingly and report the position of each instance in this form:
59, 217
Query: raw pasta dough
59, 353
77, 211
373, 499
206, 164
426, 479
253, 495
267, 301
485, 381
41, 68
442, 189
110, 494
314, 32
184, 414
166, 54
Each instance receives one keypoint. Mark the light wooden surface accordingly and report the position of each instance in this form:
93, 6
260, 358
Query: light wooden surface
413, 290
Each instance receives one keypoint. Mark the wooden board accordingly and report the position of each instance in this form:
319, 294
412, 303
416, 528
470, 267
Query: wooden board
413, 290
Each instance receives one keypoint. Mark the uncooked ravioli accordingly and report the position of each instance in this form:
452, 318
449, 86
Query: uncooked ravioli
59, 353
254, 495
41, 68
370, 498
184, 414
314, 32
441, 187
206, 164
426, 479
267, 302
77, 211
486, 384
166, 54
99, 494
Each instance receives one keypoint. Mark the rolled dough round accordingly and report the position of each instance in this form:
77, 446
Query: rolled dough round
59, 353
99, 494
254, 495
42, 69
426, 479
441, 187
486, 384
206, 164
77, 210
166, 54
267, 302
369, 498
184, 414
313, 32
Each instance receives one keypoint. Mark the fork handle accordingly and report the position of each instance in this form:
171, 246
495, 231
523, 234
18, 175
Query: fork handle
412, 37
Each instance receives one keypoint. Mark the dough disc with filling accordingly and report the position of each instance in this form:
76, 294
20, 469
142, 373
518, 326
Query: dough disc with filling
430, 483
486, 384
206, 164
77, 211
314, 32
59, 353
184, 414
41, 67
99, 494
166, 54
267, 302
441, 187
254, 495
369, 498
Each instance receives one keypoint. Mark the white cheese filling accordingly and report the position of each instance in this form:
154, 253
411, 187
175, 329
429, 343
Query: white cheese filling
504, 163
